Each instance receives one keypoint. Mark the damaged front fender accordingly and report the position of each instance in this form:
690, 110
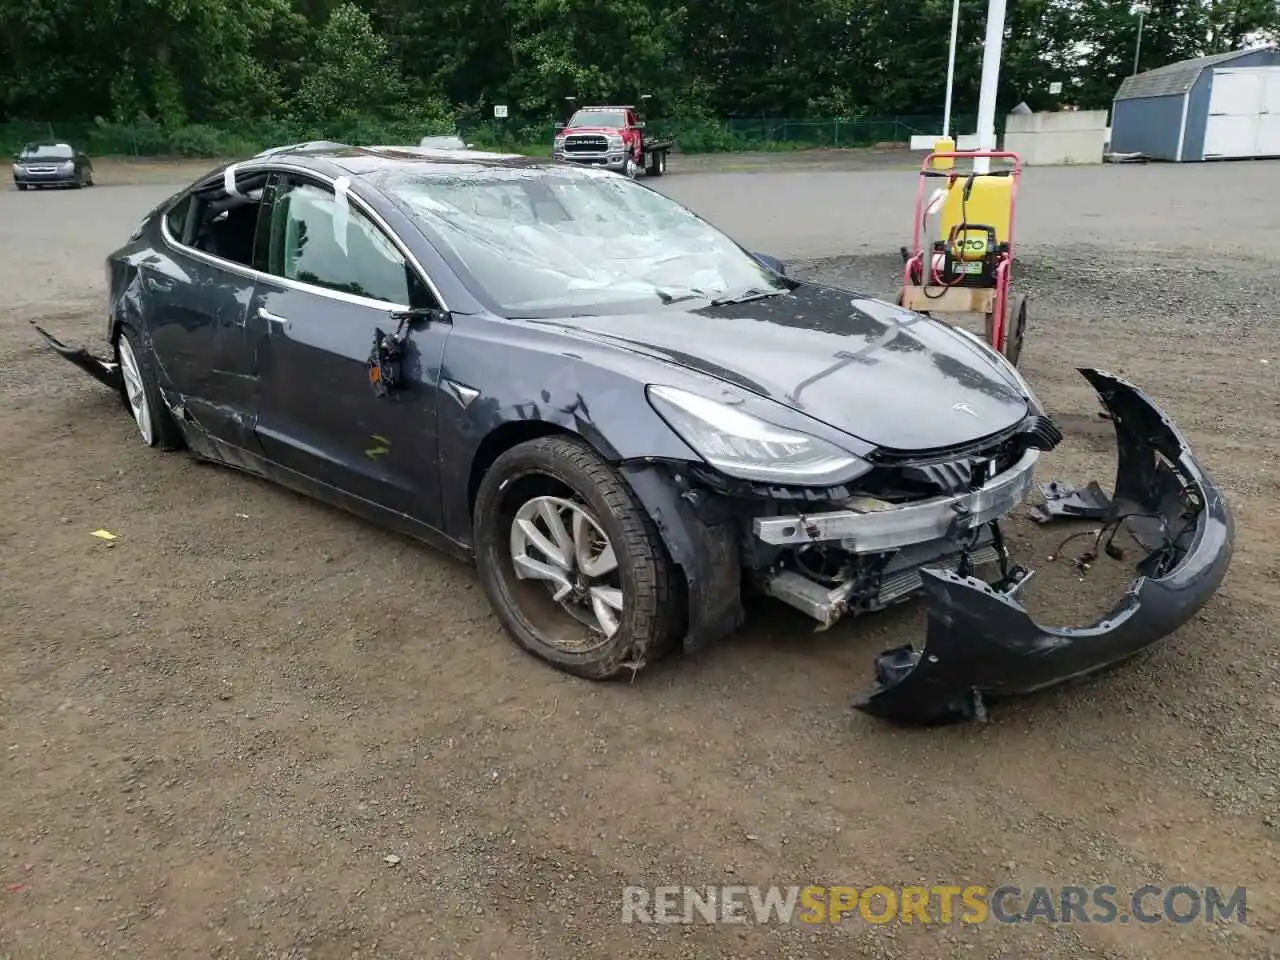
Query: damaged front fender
104, 371
981, 642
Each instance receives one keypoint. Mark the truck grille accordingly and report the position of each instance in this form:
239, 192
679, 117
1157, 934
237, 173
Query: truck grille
585, 143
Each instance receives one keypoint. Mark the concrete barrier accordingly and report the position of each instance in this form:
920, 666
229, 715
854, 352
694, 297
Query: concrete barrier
1055, 139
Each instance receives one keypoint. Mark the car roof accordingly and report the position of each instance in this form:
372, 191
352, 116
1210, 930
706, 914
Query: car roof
46, 143
362, 161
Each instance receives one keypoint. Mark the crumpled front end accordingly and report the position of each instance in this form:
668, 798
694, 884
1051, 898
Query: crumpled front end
981, 642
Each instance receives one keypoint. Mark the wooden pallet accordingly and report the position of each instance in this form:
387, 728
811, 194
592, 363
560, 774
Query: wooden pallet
949, 299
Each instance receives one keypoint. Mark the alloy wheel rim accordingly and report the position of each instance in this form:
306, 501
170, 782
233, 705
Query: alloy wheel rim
558, 542
134, 390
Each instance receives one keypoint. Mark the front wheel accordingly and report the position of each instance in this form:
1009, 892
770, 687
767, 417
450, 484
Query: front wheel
141, 394
21, 186
572, 564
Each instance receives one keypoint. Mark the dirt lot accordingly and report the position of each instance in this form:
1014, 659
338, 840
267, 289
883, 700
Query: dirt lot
215, 728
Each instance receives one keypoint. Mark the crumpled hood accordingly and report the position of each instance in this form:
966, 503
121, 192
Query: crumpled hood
863, 366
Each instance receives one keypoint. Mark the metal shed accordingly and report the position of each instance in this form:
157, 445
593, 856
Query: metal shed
1222, 106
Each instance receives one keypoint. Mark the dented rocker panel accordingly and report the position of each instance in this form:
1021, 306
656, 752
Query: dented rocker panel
981, 642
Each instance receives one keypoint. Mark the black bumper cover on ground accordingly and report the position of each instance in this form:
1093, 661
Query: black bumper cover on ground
980, 642
105, 371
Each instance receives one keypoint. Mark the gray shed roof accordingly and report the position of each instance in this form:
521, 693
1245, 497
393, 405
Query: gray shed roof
1175, 78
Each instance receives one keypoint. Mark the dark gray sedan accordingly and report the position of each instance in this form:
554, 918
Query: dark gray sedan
624, 418
52, 165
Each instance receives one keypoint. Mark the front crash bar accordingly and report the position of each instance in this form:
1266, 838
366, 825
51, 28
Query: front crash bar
105, 371
980, 642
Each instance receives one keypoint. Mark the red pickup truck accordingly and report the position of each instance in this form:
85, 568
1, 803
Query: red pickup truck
611, 137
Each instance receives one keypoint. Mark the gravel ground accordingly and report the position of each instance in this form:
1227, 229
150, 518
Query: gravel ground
215, 728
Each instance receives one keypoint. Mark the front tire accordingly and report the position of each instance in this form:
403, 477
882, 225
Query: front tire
141, 394
573, 565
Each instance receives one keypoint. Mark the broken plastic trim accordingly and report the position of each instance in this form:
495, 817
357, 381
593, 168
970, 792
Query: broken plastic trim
104, 371
980, 642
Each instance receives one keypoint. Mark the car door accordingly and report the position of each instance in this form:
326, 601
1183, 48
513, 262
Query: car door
336, 276
196, 300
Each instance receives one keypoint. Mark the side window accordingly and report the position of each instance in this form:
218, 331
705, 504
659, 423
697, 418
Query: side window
316, 240
176, 219
226, 224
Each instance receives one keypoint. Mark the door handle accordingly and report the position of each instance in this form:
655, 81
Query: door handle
272, 317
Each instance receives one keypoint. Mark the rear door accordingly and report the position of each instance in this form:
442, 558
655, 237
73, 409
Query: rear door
336, 276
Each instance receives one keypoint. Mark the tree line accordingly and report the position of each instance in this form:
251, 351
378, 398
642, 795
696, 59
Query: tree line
321, 64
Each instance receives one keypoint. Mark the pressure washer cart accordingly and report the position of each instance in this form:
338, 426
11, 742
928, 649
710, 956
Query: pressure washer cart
968, 267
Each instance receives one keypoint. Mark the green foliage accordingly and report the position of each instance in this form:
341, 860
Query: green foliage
349, 75
215, 77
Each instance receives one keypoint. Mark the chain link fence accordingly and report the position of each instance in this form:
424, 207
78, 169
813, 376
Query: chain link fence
530, 134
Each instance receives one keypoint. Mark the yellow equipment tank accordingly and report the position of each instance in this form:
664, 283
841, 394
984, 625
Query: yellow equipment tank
944, 145
973, 226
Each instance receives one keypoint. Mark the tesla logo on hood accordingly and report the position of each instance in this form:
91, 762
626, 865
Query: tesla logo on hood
964, 408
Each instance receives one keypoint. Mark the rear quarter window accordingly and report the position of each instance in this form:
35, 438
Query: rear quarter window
176, 218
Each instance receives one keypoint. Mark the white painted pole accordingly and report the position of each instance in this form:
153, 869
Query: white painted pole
951, 67
990, 82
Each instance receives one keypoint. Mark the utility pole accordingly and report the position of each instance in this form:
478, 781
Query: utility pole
1137, 47
951, 67
990, 83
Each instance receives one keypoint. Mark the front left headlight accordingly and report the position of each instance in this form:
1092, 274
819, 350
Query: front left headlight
740, 445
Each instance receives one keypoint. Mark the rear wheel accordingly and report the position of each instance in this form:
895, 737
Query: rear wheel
657, 164
142, 396
573, 566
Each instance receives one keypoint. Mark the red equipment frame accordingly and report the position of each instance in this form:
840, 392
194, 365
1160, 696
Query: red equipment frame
915, 265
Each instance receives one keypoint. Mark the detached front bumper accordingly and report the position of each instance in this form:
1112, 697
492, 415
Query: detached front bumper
981, 642
104, 371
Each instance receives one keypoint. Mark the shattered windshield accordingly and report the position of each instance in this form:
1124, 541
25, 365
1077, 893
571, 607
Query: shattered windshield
546, 243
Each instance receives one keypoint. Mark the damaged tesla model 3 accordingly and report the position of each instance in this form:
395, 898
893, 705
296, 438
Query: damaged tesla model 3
623, 417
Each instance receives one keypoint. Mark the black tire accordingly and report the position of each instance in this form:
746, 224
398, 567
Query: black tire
657, 164
78, 184
165, 434
567, 466
1017, 334
21, 186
